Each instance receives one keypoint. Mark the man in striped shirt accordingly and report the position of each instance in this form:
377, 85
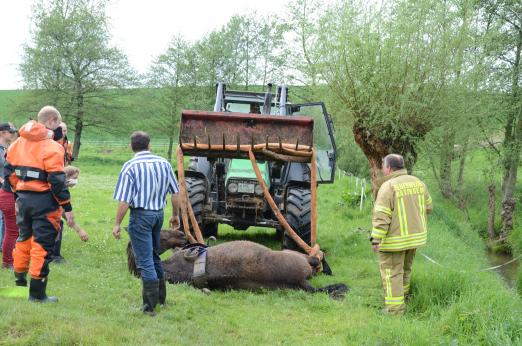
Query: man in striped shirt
142, 187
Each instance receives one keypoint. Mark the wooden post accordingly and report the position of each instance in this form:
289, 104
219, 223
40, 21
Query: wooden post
491, 211
313, 196
183, 196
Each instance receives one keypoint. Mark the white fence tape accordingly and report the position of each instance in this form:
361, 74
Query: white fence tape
478, 270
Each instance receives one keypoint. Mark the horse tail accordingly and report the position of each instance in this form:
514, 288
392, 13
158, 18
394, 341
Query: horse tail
131, 261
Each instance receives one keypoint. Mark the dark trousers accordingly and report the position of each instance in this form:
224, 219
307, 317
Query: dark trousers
144, 232
7, 206
57, 251
38, 218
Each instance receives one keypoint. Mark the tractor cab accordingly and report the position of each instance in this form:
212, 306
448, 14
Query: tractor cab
265, 103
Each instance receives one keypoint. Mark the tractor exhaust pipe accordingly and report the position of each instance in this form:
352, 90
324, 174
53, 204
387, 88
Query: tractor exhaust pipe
282, 99
267, 104
220, 92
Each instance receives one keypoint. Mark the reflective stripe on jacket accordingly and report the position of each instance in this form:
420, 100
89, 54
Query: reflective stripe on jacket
35, 162
400, 213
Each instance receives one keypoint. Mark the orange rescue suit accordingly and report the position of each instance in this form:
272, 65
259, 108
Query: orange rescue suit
36, 164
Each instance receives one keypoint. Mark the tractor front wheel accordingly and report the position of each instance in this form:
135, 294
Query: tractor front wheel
196, 189
298, 214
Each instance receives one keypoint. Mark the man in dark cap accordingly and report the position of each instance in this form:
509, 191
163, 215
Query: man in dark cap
8, 228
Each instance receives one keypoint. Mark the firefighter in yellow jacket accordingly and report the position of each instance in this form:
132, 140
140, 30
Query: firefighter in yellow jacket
399, 228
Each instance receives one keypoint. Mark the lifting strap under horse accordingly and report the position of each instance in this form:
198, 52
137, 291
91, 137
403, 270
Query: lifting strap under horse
199, 274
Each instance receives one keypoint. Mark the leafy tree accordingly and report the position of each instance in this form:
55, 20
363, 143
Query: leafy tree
386, 66
170, 79
247, 51
305, 26
506, 75
70, 62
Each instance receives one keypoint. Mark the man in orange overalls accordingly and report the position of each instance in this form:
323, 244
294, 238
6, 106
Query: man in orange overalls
35, 172
62, 139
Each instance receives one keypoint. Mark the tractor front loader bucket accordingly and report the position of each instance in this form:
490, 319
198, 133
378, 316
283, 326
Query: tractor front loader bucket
232, 135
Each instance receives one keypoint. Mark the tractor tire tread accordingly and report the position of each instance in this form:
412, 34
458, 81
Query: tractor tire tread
298, 215
196, 189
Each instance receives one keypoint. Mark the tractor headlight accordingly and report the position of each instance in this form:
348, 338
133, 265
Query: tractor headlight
258, 190
232, 187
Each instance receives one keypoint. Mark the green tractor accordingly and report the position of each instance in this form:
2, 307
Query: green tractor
222, 186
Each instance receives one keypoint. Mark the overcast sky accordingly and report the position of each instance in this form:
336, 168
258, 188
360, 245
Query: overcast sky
142, 29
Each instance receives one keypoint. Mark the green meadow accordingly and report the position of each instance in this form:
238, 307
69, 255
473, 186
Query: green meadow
455, 303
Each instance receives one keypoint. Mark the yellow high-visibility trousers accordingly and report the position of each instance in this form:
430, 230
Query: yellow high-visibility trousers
395, 270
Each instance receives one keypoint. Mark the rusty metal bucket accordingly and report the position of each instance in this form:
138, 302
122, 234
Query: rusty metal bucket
223, 134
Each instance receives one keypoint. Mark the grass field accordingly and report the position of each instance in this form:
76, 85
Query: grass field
99, 301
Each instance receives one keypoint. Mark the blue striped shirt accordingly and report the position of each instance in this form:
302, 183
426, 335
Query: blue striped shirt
144, 182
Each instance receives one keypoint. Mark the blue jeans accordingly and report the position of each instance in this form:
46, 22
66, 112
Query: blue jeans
144, 232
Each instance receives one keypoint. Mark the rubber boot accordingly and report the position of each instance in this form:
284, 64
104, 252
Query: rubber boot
37, 290
162, 292
150, 297
21, 279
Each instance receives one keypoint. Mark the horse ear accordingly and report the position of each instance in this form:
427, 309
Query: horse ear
313, 261
190, 255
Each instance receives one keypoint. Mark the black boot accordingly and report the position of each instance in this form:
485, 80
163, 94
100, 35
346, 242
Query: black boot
150, 297
162, 292
37, 291
21, 279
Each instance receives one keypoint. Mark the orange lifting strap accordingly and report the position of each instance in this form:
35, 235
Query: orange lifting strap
187, 212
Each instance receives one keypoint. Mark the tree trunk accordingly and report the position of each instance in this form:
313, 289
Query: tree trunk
513, 148
78, 128
508, 200
77, 137
446, 158
374, 149
508, 207
458, 189
507, 145
491, 211
171, 143
463, 154
459, 186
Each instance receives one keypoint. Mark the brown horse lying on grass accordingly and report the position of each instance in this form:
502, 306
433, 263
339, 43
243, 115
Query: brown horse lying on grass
238, 265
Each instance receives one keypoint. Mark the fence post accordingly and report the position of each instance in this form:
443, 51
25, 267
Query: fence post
363, 193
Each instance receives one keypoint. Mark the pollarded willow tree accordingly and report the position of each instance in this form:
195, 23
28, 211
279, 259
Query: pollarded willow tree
387, 66
71, 63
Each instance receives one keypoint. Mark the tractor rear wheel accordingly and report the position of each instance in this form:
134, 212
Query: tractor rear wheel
196, 189
298, 214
